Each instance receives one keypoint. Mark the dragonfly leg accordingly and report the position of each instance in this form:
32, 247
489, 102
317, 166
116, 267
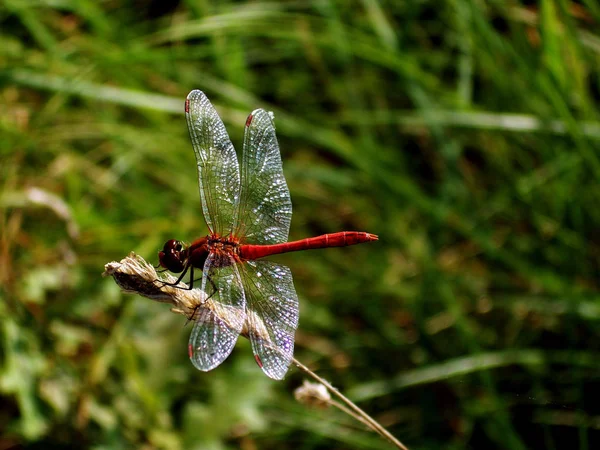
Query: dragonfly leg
191, 284
175, 284
214, 286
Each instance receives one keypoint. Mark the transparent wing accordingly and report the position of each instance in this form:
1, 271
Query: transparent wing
272, 315
219, 320
218, 170
265, 207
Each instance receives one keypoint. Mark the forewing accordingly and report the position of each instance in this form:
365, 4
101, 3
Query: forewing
265, 207
219, 320
218, 170
272, 315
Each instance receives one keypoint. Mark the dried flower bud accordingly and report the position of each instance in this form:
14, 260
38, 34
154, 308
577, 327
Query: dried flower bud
313, 394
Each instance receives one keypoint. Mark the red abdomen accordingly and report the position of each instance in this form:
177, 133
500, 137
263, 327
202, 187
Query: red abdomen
340, 239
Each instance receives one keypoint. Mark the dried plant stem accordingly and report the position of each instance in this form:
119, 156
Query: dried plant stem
359, 414
348, 411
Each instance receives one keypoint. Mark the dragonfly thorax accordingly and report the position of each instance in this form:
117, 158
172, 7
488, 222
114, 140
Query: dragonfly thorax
223, 249
226, 244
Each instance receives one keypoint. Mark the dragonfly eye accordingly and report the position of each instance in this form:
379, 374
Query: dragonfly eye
171, 257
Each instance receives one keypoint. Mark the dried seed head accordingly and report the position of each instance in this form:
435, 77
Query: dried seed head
134, 275
313, 394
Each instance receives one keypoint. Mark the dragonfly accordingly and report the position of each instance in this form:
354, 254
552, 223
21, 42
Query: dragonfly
248, 210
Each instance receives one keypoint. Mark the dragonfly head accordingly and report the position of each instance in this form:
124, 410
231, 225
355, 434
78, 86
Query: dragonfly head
173, 256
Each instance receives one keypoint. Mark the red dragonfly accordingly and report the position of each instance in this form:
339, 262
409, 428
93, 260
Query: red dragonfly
248, 211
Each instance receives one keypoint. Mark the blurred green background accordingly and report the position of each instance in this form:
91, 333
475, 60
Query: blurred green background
464, 133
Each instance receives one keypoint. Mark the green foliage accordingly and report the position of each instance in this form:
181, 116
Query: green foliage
465, 134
